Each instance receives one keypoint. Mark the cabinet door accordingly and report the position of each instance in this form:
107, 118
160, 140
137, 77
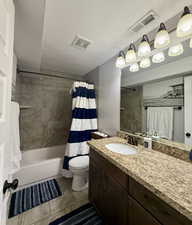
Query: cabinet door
108, 196
139, 216
96, 186
115, 201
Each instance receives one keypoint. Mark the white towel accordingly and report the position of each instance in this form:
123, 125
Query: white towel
15, 136
160, 120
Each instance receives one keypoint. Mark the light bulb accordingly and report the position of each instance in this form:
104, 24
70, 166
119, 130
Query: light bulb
184, 26
176, 50
144, 47
134, 67
162, 38
131, 55
146, 62
158, 58
190, 43
120, 62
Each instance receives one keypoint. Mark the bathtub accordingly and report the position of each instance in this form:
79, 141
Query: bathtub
40, 164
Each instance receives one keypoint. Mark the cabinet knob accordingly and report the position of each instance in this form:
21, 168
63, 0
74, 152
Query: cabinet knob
12, 185
188, 134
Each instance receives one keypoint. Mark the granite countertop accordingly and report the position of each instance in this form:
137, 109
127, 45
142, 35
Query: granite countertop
167, 177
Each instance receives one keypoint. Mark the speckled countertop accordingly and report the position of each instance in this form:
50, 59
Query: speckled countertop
167, 177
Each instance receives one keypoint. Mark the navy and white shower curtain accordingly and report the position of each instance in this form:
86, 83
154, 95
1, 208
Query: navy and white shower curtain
84, 121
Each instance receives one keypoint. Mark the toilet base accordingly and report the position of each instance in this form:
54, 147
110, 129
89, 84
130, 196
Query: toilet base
80, 182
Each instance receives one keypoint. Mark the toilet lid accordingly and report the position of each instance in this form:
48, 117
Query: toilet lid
79, 162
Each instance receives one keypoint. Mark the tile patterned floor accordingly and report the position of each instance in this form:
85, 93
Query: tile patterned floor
49, 211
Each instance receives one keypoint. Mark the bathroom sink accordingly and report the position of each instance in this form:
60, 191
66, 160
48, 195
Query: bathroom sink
121, 148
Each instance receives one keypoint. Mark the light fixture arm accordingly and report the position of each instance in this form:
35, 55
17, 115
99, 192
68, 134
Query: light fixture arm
186, 11
145, 38
132, 47
121, 53
162, 27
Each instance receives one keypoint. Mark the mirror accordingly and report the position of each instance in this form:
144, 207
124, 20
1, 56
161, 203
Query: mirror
156, 108
155, 101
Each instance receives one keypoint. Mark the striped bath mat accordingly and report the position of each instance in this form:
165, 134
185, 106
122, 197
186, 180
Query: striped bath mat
33, 196
85, 215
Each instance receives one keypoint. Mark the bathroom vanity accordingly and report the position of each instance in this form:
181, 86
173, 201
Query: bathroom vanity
147, 188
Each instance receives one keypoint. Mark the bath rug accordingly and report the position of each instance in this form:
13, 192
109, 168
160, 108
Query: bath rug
33, 196
85, 215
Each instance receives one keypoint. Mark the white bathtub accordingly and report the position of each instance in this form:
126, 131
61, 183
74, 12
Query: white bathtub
40, 164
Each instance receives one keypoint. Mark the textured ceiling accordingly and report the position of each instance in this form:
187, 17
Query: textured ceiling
45, 29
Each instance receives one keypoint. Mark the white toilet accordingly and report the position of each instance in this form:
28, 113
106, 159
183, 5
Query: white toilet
79, 166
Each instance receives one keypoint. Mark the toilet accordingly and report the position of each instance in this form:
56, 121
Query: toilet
79, 166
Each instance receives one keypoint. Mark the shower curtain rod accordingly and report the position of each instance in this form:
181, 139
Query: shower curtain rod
46, 74
174, 107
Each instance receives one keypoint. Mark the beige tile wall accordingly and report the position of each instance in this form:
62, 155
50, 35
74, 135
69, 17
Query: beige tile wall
47, 122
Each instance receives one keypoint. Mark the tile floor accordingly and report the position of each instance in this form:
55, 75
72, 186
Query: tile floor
49, 211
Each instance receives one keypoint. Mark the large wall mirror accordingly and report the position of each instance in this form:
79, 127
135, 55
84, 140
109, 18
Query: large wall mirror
158, 100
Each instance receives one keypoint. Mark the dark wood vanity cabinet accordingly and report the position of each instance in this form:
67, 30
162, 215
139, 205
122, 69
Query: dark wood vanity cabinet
123, 201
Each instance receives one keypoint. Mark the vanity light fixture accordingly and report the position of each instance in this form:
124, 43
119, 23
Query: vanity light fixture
184, 26
162, 38
144, 48
176, 50
161, 41
120, 62
158, 57
145, 63
134, 67
190, 43
131, 54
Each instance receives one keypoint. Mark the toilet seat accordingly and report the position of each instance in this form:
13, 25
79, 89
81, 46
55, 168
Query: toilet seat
79, 162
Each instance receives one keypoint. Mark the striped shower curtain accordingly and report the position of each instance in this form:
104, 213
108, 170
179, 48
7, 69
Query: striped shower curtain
84, 121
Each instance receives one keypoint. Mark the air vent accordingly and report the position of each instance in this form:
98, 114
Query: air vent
137, 27
144, 21
80, 42
148, 19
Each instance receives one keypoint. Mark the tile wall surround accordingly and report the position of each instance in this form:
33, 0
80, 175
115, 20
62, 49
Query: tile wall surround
177, 150
47, 122
131, 113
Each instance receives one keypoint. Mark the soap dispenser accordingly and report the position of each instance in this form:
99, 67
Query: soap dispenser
147, 142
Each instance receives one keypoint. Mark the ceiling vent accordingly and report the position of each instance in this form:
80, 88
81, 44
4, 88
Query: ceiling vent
149, 18
80, 42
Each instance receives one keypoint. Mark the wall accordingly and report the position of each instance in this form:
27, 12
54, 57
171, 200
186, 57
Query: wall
13, 91
93, 78
47, 122
178, 67
107, 79
109, 97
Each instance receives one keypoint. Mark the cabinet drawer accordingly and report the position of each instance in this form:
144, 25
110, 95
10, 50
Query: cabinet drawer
111, 170
158, 208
